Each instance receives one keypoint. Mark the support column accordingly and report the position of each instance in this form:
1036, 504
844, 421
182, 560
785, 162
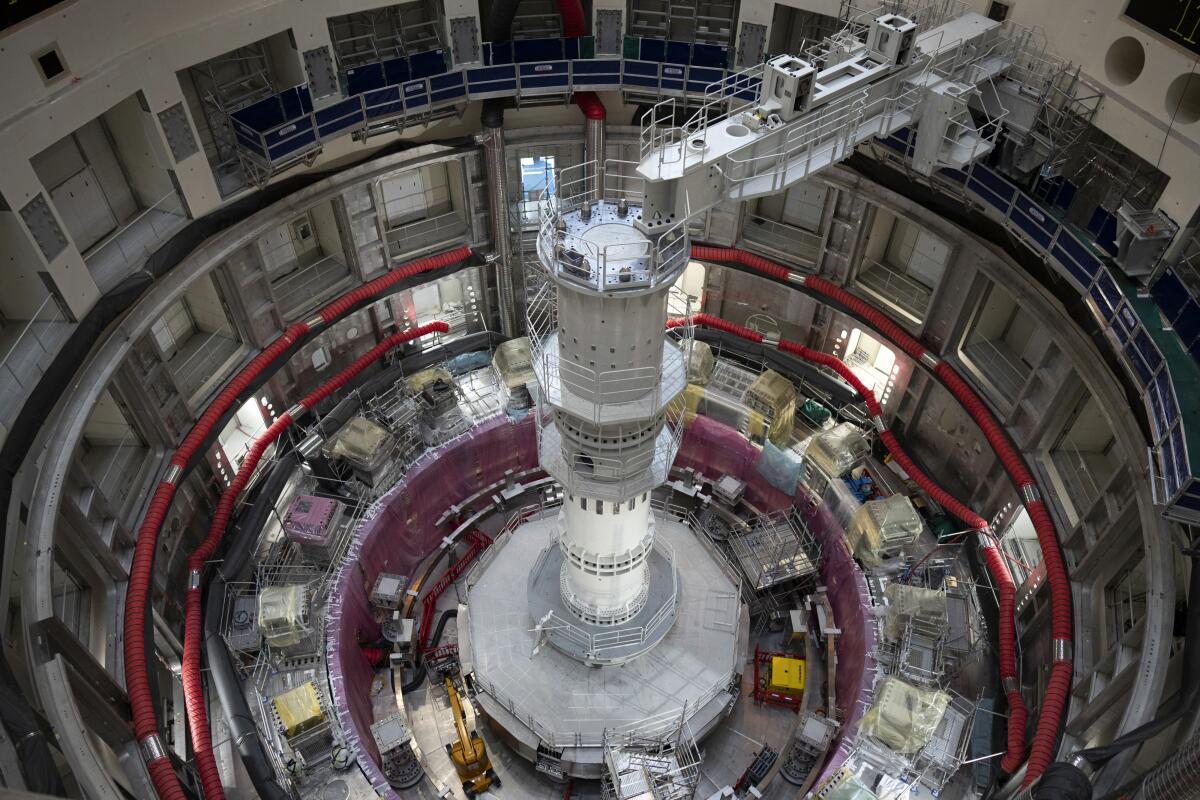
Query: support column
492, 139
593, 150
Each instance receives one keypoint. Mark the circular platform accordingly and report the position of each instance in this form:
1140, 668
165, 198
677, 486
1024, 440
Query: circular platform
540, 698
602, 644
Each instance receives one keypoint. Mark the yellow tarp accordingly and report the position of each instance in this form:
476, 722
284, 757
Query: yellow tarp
787, 675
299, 709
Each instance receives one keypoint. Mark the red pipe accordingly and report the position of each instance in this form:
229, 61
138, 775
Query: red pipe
1007, 635
1062, 623
571, 12
193, 681
137, 674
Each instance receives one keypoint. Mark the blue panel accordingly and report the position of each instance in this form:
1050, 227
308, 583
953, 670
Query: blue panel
290, 138
396, 70
526, 51
1170, 294
1000, 187
1187, 324
593, 67
263, 115
672, 78
501, 53
1082, 277
1106, 294
641, 73
1145, 346
422, 65
1065, 195
486, 74
415, 95
339, 116
1031, 210
1082, 256
644, 68
1190, 503
448, 81
987, 195
1031, 227
710, 55
1166, 468
1177, 445
1163, 384
383, 102
1096, 223
958, 176
1125, 321
678, 53
552, 68
448, 87
1135, 361
1103, 227
653, 49
365, 78
701, 79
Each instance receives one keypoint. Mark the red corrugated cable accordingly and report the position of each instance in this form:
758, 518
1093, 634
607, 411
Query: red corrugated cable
1006, 587
571, 12
1062, 623
137, 674
193, 680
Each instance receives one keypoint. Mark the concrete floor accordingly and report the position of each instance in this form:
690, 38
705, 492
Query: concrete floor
684, 671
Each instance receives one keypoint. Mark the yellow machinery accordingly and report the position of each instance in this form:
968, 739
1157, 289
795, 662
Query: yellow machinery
469, 753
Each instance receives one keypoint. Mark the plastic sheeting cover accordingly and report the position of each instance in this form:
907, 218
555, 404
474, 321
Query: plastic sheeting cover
513, 362
418, 380
839, 449
774, 396
782, 468
283, 614
842, 785
700, 362
912, 602
904, 717
881, 526
463, 363
361, 442
299, 709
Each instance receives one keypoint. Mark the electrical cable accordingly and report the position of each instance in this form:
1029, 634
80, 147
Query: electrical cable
192, 675
1058, 685
137, 597
1006, 588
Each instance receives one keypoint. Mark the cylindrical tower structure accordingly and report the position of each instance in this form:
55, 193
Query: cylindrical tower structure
608, 374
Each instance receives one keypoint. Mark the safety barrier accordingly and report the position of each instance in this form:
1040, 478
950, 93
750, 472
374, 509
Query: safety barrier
286, 127
137, 596
1175, 429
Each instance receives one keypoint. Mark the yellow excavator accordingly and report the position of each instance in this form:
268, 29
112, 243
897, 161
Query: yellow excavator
469, 753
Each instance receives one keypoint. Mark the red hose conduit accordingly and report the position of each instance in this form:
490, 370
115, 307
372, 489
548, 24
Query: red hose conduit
1062, 623
571, 12
193, 680
137, 675
1007, 635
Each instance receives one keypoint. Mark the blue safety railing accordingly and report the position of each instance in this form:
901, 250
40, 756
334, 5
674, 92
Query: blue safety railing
281, 129
1175, 431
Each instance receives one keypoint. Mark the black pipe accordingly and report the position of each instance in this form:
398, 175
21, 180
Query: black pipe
1189, 695
222, 672
418, 677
